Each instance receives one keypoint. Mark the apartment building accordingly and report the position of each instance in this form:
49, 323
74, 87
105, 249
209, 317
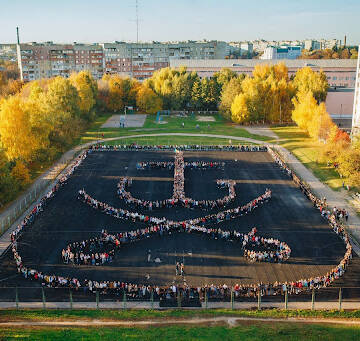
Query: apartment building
282, 52
49, 60
89, 57
8, 52
138, 60
311, 44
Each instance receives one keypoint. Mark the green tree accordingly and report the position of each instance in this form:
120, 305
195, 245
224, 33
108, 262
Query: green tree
196, 95
224, 76
209, 93
60, 105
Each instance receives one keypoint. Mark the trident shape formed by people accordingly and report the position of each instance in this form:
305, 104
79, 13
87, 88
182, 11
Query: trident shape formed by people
178, 198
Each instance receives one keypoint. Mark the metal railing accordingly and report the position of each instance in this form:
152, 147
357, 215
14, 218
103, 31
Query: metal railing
22, 205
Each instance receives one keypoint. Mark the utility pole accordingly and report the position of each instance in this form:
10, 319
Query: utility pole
18, 54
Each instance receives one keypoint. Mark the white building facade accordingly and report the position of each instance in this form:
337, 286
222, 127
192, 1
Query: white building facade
282, 52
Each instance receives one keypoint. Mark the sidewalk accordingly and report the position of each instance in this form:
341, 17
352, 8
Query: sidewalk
333, 305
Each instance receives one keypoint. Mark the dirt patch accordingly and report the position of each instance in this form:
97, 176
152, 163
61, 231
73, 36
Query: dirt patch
205, 118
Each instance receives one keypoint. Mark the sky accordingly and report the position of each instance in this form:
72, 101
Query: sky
91, 21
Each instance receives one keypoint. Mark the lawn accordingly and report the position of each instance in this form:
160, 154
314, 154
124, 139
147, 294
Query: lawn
173, 125
176, 140
143, 314
308, 152
245, 331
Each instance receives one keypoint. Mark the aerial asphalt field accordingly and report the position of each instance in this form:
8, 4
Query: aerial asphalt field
289, 217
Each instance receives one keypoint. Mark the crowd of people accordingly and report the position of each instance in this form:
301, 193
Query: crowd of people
170, 165
100, 250
138, 291
95, 251
266, 249
124, 194
179, 178
136, 147
216, 218
178, 198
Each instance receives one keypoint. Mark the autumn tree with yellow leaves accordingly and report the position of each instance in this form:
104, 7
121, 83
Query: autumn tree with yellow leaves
18, 136
264, 97
308, 80
87, 90
148, 101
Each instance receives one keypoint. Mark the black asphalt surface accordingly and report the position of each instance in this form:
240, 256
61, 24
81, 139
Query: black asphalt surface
289, 216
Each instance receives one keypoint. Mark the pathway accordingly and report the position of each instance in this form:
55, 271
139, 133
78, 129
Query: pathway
261, 130
231, 321
302, 305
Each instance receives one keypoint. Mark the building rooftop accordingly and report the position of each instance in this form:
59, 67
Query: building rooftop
291, 63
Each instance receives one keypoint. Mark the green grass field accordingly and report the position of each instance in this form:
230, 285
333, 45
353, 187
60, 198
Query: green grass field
173, 125
308, 152
143, 314
176, 140
245, 331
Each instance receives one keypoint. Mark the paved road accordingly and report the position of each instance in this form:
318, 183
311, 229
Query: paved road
333, 198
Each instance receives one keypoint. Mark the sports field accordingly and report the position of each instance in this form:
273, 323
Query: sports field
289, 217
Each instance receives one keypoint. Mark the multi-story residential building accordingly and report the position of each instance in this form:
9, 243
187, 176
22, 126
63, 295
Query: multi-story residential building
89, 57
329, 43
247, 47
339, 72
8, 52
133, 59
283, 52
356, 109
49, 60
241, 48
311, 44
138, 60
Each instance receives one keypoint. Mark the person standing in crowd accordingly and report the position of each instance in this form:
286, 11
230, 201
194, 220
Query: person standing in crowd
177, 268
182, 269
